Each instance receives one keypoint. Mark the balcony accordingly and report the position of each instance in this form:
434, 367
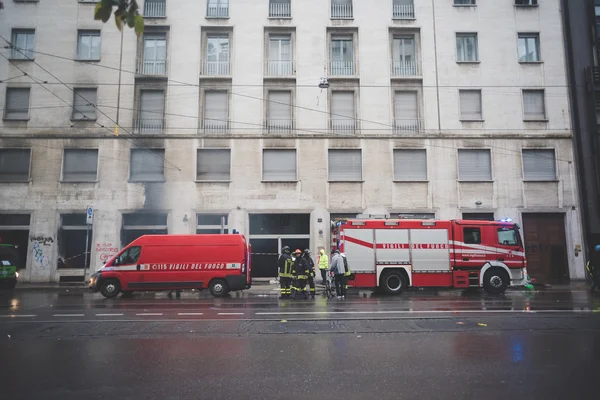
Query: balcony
215, 126
279, 68
152, 67
216, 68
343, 126
155, 8
217, 11
408, 126
401, 68
151, 126
279, 126
341, 11
403, 11
342, 68
280, 10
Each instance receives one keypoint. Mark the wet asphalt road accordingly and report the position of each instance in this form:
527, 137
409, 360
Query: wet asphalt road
422, 345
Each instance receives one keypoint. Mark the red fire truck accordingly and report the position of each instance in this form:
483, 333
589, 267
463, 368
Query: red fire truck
394, 254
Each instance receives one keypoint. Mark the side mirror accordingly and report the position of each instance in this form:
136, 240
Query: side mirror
116, 261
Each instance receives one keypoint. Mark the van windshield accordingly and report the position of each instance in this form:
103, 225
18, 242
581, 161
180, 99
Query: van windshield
509, 237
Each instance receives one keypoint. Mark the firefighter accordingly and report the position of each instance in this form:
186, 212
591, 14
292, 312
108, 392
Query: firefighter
337, 267
300, 273
310, 264
285, 266
347, 271
323, 263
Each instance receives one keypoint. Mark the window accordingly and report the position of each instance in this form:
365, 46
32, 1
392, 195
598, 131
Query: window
539, 165
88, 45
279, 165
14, 165
155, 54
151, 112
474, 165
17, 103
342, 112
344, 165
465, 2
406, 112
84, 104
472, 235
212, 223
478, 216
280, 56
213, 165
23, 41
80, 165
129, 256
280, 9
404, 62
403, 9
342, 55
341, 9
470, 105
526, 2
529, 47
508, 237
216, 111
217, 9
466, 47
147, 165
410, 165
155, 8
534, 105
279, 112
217, 54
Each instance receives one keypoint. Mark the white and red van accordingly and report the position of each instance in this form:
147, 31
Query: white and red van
220, 263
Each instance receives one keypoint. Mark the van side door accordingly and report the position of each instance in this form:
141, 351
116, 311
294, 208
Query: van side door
509, 249
469, 248
127, 266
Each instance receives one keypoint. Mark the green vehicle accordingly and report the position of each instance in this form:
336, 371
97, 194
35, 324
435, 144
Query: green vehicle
9, 266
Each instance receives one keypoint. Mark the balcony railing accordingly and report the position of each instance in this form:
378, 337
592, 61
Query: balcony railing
279, 68
342, 68
403, 11
217, 11
279, 126
343, 126
406, 68
280, 10
149, 126
408, 126
155, 9
595, 74
341, 11
216, 68
215, 125
152, 67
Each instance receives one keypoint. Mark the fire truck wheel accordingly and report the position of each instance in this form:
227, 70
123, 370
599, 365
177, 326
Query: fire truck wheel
393, 282
110, 288
218, 287
495, 281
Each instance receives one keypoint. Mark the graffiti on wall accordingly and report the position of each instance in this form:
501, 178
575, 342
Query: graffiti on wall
104, 251
39, 258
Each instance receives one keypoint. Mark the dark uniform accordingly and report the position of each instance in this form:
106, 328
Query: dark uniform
285, 266
300, 272
310, 264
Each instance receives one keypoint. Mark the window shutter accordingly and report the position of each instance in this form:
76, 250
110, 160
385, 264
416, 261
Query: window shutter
152, 104
215, 109
147, 165
342, 109
410, 165
539, 165
470, 105
345, 165
84, 102
17, 103
474, 165
14, 165
406, 105
279, 165
213, 165
278, 111
533, 104
80, 165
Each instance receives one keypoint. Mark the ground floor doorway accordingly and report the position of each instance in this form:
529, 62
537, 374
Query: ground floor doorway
74, 247
14, 229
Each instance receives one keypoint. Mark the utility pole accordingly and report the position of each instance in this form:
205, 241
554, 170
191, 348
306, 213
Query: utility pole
119, 86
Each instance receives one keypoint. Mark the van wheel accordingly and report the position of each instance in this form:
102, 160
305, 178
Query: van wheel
393, 282
110, 288
218, 287
495, 281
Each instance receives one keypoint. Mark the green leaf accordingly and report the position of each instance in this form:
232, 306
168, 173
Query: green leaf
102, 12
139, 25
118, 22
130, 20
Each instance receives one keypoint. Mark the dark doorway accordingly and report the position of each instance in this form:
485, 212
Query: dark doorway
295, 244
478, 216
73, 242
264, 257
545, 247
14, 229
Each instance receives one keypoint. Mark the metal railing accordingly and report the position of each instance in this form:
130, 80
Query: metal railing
279, 68
280, 10
343, 126
342, 11
155, 8
149, 125
406, 68
218, 68
408, 125
403, 11
342, 68
152, 67
215, 126
279, 126
217, 11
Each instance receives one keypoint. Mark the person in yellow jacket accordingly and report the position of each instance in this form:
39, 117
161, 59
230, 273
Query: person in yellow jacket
323, 263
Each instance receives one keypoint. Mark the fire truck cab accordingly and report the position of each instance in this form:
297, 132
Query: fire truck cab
395, 254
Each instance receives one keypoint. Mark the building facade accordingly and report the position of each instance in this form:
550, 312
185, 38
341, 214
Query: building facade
432, 109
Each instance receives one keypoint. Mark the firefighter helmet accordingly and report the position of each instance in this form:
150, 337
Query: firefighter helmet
306, 251
298, 251
285, 249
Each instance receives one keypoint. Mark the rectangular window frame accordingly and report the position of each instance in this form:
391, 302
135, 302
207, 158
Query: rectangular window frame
64, 159
464, 118
222, 7
526, 3
22, 55
407, 149
91, 33
278, 9
278, 149
475, 180
157, 122
74, 109
530, 119
279, 126
211, 227
348, 13
329, 178
16, 149
222, 66
529, 35
524, 150
145, 150
214, 149
464, 3
351, 128
214, 126
463, 36
6, 116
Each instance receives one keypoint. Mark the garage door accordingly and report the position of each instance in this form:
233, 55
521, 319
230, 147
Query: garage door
545, 247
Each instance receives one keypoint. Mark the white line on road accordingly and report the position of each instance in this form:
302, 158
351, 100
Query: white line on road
424, 312
231, 313
109, 315
18, 316
190, 313
154, 314
68, 315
